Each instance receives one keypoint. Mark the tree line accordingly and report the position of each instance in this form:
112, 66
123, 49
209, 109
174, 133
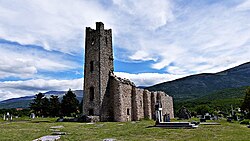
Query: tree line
53, 107
216, 106
246, 103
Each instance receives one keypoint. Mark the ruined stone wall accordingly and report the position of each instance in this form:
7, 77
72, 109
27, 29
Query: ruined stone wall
153, 102
126, 102
147, 104
170, 106
161, 98
137, 103
167, 103
122, 91
116, 92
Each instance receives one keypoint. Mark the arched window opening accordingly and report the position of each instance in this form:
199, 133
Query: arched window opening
91, 94
91, 66
128, 111
91, 112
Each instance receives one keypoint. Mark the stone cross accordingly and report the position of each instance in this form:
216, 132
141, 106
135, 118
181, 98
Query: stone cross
32, 115
158, 108
7, 115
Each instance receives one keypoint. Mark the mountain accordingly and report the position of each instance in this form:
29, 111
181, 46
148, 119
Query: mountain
222, 100
231, 93
196, 86
23, 102
78, 93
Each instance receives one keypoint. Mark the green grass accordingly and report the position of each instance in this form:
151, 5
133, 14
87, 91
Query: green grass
31, 129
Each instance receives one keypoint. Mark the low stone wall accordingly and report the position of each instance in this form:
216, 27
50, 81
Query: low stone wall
92, 118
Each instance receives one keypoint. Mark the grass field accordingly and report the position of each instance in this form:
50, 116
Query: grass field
27, 130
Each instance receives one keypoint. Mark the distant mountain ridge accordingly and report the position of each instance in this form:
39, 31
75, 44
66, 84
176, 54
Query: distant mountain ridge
196, 86
23, 102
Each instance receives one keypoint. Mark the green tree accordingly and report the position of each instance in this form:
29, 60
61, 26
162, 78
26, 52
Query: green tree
81, 106
36, 105
246, 102
45, 107
54, 106
69, 104
203, 109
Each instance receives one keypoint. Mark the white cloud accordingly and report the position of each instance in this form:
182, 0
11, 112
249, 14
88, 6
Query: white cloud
244, 6
208, 38
148, 79
55, 25
149, 14
25, 62
12, 89
134, 23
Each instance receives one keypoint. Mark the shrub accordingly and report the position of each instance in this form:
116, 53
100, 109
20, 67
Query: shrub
244, 122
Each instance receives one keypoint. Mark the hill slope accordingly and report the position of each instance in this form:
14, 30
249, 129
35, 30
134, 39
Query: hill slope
220, 100
196, 86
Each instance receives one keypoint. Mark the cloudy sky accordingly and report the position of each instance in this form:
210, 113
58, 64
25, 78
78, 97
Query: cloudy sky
42, 41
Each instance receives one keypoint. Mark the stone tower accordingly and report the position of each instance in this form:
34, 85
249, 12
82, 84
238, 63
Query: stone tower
97, 68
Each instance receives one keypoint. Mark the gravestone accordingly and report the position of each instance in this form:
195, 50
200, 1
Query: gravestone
60, 119
215, 118
56, 127
199, 116
48, 138
229, 119
58, 133
32, 115
184, 113
207, 116
109, 139
195, 122
202, 120
166, 118
7, 116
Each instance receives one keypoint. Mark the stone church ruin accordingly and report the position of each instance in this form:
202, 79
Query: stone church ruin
111, 98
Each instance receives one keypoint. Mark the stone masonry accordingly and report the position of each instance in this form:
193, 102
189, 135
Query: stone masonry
109, 97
